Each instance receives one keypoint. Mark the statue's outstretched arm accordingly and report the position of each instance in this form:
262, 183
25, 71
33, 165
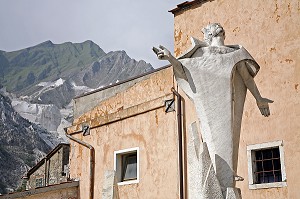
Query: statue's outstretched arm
164, 54
262, 103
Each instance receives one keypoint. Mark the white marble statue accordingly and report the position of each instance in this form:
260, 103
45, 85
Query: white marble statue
216, 76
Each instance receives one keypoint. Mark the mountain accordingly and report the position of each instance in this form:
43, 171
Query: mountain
85, 63
26, 72
37, 85
112, 67
46, 62
21, 145
48, 76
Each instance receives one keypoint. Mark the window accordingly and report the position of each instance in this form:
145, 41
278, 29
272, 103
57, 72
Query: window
39, 182
266, 165
127, 166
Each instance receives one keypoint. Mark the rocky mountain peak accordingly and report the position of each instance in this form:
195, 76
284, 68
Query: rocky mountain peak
44, 79
45, 44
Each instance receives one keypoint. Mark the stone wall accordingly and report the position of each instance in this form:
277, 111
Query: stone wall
56, 166
54, 163
38, 174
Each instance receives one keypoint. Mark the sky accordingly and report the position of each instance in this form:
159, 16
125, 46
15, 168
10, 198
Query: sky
131, 25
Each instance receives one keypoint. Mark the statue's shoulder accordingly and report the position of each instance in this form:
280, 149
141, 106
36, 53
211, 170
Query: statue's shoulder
235, 47
196, 44
245, 56
240, 50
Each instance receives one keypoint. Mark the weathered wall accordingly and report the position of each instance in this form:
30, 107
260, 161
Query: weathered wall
56, 167
61, 191
69, 193
133, 117
270, 32
39, 173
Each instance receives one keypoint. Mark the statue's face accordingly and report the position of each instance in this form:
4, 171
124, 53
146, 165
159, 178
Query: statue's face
213, 31
221, 34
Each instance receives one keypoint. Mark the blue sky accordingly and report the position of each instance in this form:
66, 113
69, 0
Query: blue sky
131, 25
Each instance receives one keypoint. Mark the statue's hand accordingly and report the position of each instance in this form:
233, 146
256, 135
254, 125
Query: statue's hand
162, 53
263, 105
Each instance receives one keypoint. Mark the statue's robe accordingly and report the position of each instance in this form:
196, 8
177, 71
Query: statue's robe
209, 77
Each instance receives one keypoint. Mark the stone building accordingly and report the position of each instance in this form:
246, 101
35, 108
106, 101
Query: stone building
49, 178
52, 169
133, 140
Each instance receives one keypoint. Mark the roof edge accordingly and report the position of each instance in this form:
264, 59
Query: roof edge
122, 82
185, 5
49, 155
41, 190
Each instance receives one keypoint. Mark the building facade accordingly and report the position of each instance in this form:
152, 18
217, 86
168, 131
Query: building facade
140, 138
269, 149
53, 169
133, 131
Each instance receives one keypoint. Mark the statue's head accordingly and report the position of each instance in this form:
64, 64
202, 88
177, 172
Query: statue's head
212, 30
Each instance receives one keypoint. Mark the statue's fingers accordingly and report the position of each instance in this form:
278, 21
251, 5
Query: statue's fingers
261, 111
155, 50
161, 56
268, 112
162, 47
265, 112
160, 52
270, 101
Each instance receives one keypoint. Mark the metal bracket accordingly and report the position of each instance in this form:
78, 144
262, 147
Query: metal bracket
169, 105
85, 129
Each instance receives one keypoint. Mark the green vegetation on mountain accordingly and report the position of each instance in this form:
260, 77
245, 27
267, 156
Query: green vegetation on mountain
45, 62
48, 76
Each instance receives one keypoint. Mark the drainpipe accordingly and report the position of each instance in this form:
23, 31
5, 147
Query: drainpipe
92, 161
179, 126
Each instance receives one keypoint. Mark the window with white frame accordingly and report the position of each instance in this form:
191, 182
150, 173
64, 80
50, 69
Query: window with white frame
126, 165
266, 165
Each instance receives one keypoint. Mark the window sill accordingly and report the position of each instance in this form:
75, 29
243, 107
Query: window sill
267, 185
128, 182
